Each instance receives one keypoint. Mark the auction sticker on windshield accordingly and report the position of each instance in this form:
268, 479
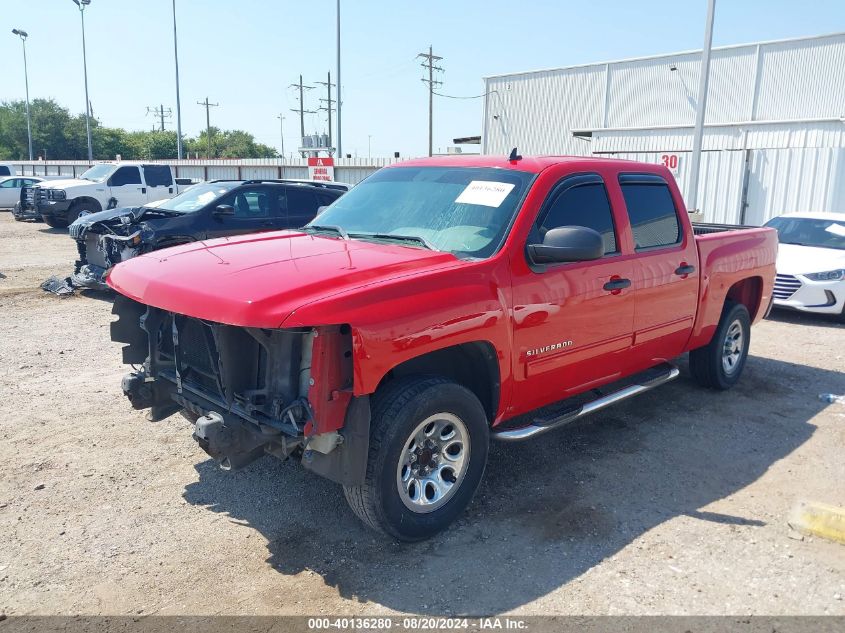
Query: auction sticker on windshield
485, 192
836, 229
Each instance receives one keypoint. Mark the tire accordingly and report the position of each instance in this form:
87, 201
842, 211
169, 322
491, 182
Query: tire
78, 208
715, 365
55, 223
414, 498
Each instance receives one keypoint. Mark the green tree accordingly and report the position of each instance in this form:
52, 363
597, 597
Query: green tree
57, 134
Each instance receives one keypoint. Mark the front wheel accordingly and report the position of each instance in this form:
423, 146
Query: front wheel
54, 222
719, 364
428, 448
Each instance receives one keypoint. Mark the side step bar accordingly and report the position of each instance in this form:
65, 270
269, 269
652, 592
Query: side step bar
541, 426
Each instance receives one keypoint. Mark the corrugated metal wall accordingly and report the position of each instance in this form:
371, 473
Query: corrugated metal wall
771, 81
774, 121
790, 180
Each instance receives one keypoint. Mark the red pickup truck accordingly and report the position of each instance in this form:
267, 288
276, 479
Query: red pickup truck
439, 304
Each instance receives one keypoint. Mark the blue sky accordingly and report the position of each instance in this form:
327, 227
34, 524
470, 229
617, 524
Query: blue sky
243, 54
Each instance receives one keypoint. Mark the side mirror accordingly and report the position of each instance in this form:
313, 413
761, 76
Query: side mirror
567, 244
222, 210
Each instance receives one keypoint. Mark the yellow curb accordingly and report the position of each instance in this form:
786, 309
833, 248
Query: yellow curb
819, 519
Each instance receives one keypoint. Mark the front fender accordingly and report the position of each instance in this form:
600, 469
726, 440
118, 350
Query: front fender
396, 321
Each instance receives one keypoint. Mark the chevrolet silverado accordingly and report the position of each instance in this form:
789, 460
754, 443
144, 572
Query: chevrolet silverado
439, 304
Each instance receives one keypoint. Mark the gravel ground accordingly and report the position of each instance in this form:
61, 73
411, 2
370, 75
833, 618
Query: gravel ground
673, 503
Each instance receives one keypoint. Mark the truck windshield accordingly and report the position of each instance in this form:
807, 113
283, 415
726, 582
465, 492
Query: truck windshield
822, 233
462, 210
98, 173
197, 196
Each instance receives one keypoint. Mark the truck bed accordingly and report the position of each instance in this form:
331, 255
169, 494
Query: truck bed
736, 262
705, 228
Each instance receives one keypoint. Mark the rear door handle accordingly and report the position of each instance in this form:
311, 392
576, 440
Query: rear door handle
617, 284
685, 270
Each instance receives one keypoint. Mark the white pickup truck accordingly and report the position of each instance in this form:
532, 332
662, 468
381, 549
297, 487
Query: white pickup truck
103, 186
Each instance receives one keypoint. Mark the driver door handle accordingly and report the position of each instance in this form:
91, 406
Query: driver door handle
685, 269
617, 284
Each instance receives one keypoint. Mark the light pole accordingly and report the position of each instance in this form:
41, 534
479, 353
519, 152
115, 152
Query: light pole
178, 104
282, 131
339, 93
701, 108
82, 4
23, 35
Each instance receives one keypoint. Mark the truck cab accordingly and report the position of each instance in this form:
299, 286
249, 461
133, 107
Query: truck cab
103, 186
440, 304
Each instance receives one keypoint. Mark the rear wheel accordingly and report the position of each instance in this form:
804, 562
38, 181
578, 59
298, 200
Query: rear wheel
428, 449
719, 364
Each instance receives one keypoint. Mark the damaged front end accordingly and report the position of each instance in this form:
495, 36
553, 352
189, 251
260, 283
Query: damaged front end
103, 245
250, 391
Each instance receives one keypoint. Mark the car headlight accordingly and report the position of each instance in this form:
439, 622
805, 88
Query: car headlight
830, 275
56, 194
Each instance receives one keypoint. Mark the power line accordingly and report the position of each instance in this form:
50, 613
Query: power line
437, 94
161, 113
208, 106
329, 101
429, 59
301, 110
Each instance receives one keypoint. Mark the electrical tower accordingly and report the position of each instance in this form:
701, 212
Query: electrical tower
429, 59
301, 109
161, 113
329, 101
208, 106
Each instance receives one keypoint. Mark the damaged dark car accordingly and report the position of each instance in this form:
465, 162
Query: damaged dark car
209, 210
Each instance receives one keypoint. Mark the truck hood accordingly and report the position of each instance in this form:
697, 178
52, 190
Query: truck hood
794, 259
67, 183
259, 280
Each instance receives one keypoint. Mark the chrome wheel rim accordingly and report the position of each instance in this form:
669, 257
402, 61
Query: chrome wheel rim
732, 348
433, 462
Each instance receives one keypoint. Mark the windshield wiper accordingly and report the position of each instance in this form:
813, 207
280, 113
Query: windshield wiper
331, 228
402, 238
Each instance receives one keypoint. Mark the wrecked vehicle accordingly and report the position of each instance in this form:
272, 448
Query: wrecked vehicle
208, 210
440, 303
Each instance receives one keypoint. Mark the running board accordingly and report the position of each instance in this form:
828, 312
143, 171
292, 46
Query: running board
541, 426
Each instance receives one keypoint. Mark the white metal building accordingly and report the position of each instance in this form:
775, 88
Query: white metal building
774, 136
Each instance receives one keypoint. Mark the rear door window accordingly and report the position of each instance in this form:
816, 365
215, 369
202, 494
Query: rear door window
158, 176
302, 205
651, 210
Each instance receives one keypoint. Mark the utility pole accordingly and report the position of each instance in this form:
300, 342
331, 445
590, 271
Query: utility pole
329, 101
698, 132
208, 122
178, 103
281, 118
160, 113
339, 97
302, 111
430, 58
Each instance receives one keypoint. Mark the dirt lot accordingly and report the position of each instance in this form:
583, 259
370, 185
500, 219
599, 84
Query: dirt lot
674, 503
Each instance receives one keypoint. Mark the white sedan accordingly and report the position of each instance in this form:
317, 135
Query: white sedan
10, 189
811, 262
